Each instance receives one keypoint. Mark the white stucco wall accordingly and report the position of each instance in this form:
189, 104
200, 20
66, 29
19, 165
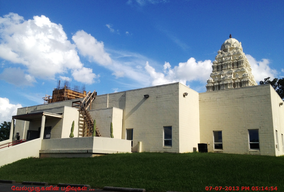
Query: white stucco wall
69, 144
56, 127
70, 114
189, 132
117, 117
111, 145
60, 128
5, 142
85, 145
234, 112
20, 151
147, 117
278, 121
54, 123
116, 100
166, 106
23, 126
100, 102
193, 118
103, 119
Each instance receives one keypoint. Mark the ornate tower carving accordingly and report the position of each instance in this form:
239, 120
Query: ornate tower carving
231, 68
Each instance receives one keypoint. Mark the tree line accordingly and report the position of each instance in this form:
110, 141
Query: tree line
277, 84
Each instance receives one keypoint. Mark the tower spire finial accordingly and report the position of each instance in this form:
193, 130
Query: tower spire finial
230, 36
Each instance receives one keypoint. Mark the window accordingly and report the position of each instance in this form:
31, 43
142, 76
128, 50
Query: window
253, 139
168, 136
129, 135
218, 142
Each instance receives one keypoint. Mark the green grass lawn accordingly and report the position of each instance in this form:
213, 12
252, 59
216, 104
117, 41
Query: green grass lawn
153, 171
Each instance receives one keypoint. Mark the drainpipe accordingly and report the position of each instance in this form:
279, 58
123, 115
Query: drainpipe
139, 146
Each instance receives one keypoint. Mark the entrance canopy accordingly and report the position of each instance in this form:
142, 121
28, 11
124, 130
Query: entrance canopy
38, 115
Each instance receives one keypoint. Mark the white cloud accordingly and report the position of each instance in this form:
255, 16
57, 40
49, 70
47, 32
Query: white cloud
7, 110
144, 2
282, 70
173, 38
38, 44
34, 97
184, 72
261, 69
124, 69
88, 46
192, 70
157, 78
110, 28
139, 2
84, 75
118, 74
129, 65
65, 78
17, 77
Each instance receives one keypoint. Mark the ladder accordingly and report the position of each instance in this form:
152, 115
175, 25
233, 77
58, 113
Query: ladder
86, 122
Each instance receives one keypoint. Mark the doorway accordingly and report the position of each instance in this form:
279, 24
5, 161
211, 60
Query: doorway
47, 133
33, 134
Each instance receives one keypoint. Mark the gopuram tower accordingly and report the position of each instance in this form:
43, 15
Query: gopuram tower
231, 69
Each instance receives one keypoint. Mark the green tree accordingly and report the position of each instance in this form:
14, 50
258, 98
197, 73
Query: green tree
5, 130
277, 84
111, 130
72, 130
94, 129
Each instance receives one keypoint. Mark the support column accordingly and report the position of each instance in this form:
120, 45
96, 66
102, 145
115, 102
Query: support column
24, 135
24, 131
11, 131
42, 126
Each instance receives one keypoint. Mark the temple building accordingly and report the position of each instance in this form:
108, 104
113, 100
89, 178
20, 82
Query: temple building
231, 68
234, 115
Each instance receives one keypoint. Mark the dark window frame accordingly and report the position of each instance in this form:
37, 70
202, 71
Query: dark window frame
168, 136
130, 136
253, 136
218, 140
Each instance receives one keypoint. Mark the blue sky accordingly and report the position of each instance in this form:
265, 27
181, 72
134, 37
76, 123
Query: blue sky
111, 46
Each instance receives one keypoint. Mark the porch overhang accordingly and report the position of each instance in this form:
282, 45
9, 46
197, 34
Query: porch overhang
37, 115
